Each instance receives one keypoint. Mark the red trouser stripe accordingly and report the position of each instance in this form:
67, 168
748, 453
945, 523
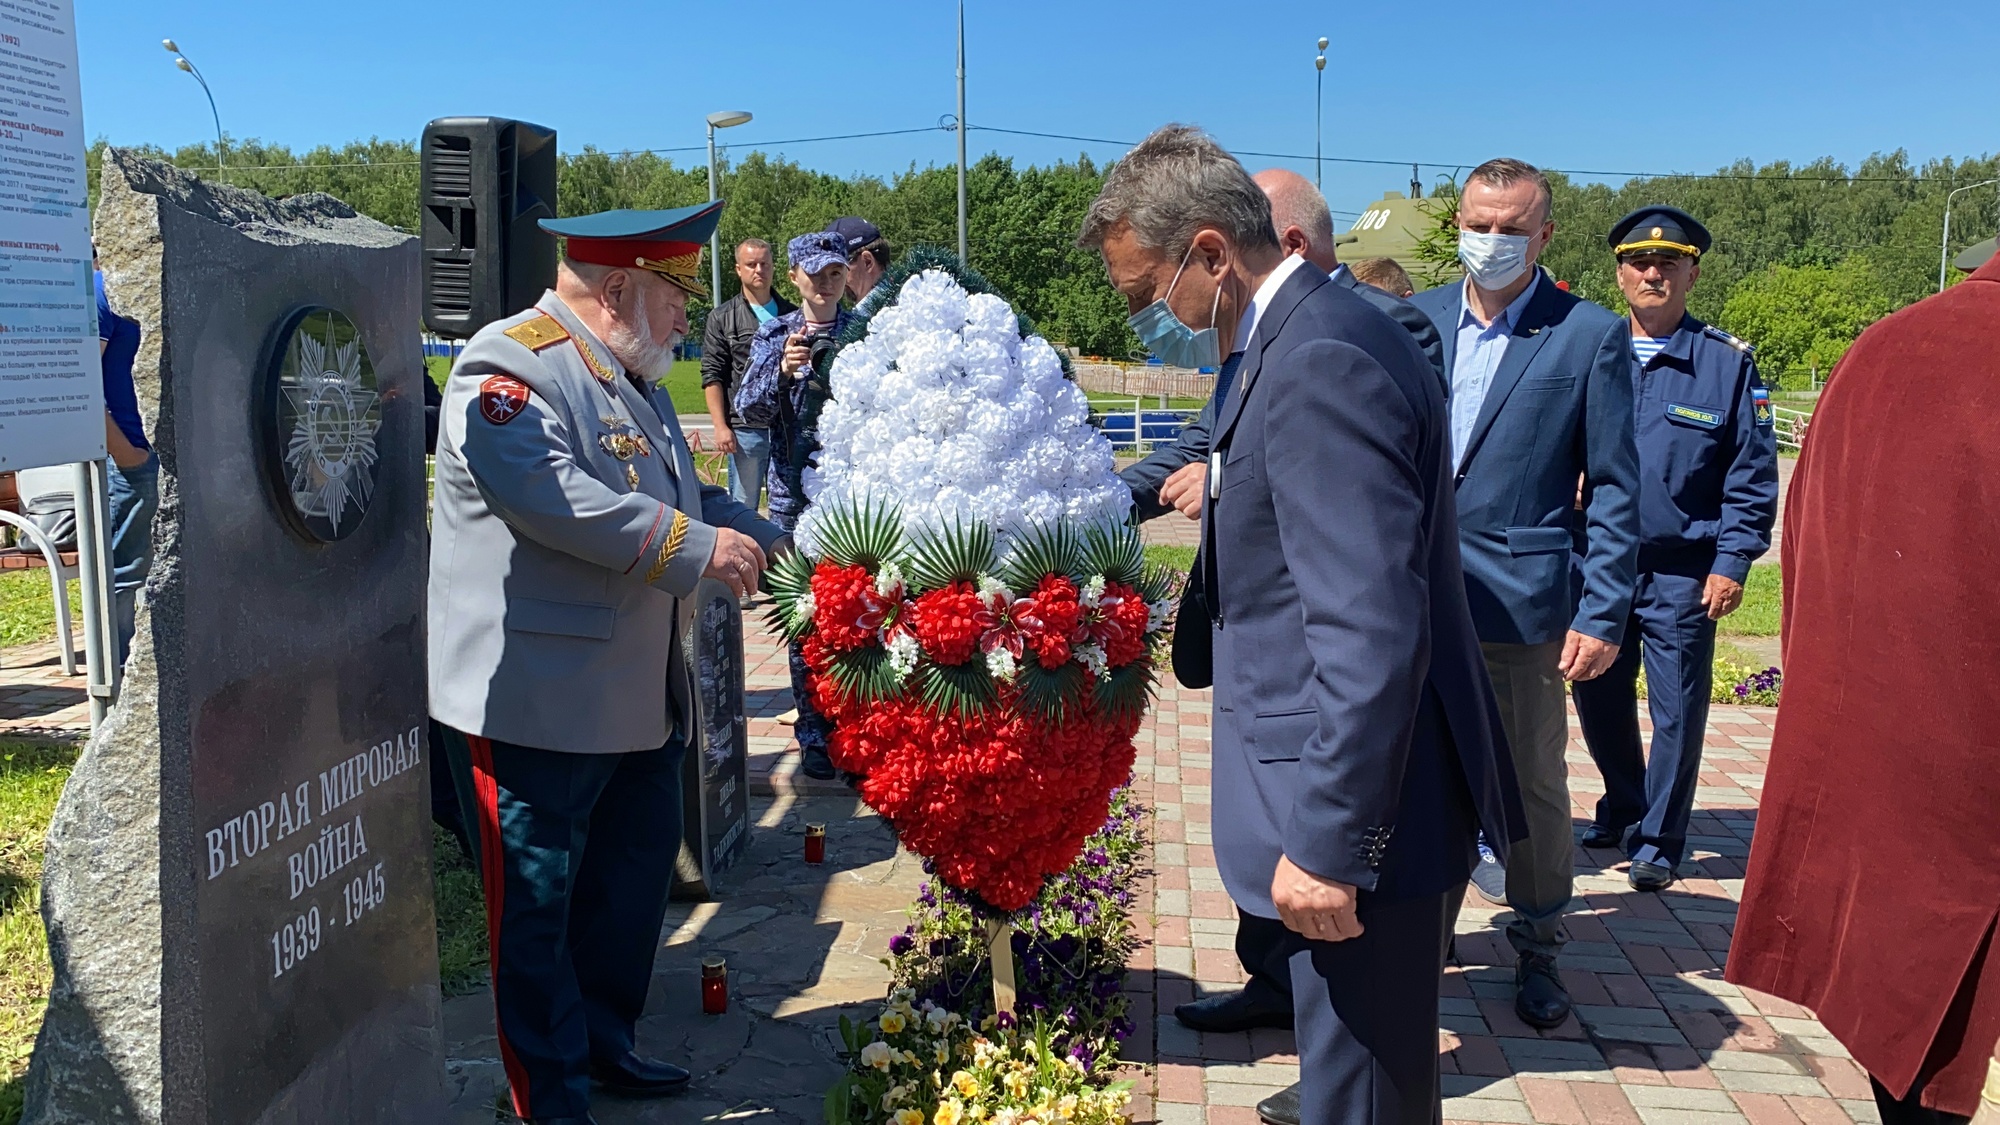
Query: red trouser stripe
493, 873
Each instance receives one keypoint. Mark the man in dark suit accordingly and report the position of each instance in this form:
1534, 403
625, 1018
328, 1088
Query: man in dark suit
1355, 751
1541, 396
1171, 477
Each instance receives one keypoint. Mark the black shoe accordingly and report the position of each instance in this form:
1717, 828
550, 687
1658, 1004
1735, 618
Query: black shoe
1233, 1011
586, 1119
1598, 836
1645, 876
636, 1077
1281, 1108
1541, 1001
814, 763
1490, 878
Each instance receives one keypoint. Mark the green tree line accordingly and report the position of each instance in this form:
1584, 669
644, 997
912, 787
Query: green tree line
1805, 256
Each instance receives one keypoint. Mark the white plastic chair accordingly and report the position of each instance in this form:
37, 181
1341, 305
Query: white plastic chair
59, 578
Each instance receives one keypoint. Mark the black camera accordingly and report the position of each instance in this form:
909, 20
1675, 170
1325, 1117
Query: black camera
820, 347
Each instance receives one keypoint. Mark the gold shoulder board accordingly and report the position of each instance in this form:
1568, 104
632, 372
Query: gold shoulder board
538, 333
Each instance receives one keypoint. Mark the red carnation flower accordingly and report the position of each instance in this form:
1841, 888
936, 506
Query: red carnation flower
1121, 626
841, 604
1048, 619
949, 623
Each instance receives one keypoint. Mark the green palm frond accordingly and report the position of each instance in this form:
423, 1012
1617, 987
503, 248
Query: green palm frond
958, 553
1127, 691
1042, 550
865, 675
1160, 583
964, 690
1050, 692
789, 579
866, 534
1115, 552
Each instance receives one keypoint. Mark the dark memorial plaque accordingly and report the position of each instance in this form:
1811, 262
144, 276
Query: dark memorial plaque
277, 684
715, 775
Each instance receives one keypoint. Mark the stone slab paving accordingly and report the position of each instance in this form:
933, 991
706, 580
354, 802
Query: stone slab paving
1659, 1038
38, 702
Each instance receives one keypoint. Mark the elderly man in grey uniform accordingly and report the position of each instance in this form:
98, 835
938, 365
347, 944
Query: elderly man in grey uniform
569, 532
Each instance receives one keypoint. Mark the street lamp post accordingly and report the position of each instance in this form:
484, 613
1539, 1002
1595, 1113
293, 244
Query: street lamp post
720, 119
1319, 107
181, 60
1944, 243
961, 134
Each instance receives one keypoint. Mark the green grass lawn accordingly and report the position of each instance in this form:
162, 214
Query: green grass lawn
27, 614
31, 778
682, 384
1760, 613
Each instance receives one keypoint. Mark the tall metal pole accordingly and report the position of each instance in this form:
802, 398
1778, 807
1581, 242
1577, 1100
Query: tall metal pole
181, 60
1944, 242
962, 258
714, 236
1319, 108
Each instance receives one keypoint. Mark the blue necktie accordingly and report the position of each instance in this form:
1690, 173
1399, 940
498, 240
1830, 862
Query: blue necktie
1225, 377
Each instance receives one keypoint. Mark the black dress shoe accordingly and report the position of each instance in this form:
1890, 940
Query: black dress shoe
1233, 1011
636, 1077
1281, 1108
814, 763
1541, 1001
1598, 836
1645, 876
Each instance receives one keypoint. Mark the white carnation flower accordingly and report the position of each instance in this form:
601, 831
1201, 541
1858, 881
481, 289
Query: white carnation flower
1001, 666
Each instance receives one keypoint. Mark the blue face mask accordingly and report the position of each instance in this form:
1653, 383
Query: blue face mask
1174, 342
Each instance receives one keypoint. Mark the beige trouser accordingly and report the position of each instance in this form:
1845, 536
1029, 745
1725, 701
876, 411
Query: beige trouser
1540, 869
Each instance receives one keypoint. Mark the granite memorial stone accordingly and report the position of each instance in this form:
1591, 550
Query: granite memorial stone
715, 792
238, 886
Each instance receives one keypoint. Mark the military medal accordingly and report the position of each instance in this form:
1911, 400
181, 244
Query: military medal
632, 476
620, 441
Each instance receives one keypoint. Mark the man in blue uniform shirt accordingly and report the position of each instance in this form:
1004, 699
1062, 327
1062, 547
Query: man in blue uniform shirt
1708, 496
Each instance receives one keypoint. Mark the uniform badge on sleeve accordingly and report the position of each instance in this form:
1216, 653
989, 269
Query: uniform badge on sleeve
1760, 401
501, 397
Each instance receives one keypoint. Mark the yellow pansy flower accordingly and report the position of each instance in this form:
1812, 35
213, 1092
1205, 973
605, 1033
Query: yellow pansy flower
909, 1117
950, 1113
892, 1023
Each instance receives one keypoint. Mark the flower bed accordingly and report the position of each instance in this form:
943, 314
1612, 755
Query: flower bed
1070, 948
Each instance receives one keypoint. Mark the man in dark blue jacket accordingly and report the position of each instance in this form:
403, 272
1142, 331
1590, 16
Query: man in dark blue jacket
1355, 752
1708, 498
1541, 396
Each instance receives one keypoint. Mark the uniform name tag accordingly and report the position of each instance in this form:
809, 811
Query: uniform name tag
1215, 476
1707, 419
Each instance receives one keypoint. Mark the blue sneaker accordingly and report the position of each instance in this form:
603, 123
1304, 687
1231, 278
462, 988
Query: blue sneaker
1490, 877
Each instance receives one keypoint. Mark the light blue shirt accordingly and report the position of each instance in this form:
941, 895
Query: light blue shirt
1480, 349
765, 311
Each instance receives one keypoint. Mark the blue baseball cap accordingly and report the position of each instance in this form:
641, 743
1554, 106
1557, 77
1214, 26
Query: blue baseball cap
816, 251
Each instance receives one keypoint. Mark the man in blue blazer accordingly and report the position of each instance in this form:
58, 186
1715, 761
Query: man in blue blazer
1355, 753
1540, 400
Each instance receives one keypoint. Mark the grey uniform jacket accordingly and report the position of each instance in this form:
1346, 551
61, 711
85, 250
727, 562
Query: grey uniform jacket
567, 525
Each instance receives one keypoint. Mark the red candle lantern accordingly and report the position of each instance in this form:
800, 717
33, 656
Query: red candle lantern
815, 843
714, 986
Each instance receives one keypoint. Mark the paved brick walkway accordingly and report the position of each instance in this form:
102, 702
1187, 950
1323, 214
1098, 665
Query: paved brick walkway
37, 701
1659, 1038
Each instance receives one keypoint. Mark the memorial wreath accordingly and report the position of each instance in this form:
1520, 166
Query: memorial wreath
969, 594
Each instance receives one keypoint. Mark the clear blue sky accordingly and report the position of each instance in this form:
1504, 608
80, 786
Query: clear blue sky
1579, 84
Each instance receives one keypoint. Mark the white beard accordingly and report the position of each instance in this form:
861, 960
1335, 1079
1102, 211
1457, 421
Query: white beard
634, 347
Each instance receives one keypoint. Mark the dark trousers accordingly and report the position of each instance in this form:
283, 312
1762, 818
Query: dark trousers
812, 728
1366, 1011
576, 853
1907, 1110
1653, 794
1265, 946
